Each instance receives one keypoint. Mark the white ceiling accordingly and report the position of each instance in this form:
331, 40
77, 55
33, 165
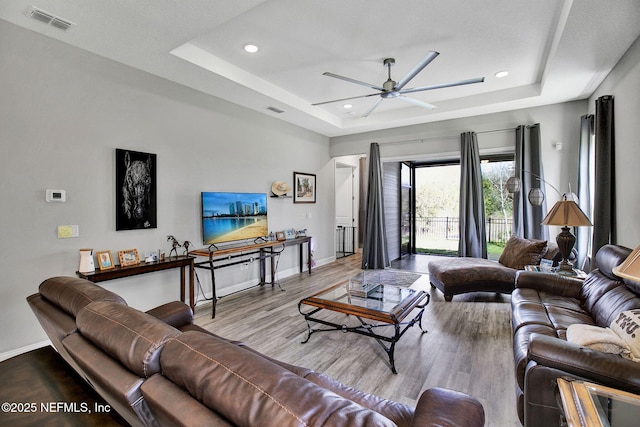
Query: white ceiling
554, 50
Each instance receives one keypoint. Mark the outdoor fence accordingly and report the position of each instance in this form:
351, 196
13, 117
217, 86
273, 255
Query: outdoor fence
498, 229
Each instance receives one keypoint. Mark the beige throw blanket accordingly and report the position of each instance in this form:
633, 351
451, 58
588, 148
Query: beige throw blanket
600, 339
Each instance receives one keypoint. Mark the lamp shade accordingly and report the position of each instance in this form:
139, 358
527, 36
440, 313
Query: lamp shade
513, 184
630, 268
536, 197
566, 213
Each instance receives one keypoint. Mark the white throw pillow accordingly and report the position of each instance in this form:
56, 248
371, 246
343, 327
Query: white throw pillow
627, 326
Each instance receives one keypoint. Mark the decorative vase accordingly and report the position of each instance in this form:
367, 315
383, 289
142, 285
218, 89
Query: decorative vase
86, 261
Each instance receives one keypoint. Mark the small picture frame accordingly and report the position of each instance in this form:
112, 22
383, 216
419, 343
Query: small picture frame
128, 257
304, 187
290, 233
280, 236
105, 262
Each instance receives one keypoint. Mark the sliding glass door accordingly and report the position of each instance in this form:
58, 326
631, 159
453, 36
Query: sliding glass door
498, 203
436, 208
406, 209
436, 192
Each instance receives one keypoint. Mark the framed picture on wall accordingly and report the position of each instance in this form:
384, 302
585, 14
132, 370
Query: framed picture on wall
304, 187
135, 190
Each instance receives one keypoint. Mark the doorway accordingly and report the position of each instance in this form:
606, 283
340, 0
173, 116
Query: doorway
345, 202
437, 208
436, 193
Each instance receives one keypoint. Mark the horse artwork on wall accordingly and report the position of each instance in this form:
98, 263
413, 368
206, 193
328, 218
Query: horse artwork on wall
135, 190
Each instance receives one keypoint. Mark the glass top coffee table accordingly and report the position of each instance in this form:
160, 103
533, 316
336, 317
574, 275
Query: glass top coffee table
378, 300
586, 404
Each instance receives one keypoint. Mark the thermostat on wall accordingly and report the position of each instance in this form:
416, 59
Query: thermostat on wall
56, 195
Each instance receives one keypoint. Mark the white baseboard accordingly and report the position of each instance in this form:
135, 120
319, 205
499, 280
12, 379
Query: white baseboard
9, 354
227, 291
281, 274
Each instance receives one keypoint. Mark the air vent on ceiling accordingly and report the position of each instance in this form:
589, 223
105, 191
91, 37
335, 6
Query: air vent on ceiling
275, 109
48, 18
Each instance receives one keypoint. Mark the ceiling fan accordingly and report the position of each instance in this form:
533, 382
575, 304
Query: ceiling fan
392, 89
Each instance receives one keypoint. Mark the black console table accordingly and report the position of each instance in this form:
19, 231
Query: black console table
118, 272
238, 254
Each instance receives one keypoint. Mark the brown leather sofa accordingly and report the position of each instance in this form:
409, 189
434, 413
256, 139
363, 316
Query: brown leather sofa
543, 307
159, 369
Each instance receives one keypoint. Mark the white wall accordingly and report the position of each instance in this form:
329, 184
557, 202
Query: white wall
558, 123
624, 84
63, 113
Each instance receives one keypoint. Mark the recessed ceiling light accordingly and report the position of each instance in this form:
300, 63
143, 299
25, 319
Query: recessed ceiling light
251, 47
347, 106
503, 73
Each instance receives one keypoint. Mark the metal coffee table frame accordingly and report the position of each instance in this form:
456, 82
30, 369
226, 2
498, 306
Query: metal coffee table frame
417, 299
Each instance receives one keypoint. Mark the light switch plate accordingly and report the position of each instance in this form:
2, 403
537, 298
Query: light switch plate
68, 231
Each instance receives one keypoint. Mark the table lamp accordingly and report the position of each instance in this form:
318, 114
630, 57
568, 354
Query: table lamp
630, 268
566, 213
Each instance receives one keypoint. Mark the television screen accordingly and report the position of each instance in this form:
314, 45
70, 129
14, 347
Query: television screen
233, 216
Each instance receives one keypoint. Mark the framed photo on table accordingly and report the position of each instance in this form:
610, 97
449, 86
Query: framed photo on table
105, 262
129, 257
304, 187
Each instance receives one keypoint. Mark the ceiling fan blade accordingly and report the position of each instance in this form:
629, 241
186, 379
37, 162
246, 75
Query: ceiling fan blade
416, 102
346, 99
419, 67
443, 85
373, 107
349, 79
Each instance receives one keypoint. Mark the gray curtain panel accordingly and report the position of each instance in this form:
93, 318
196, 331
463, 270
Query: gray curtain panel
473, 235
586, 183
527, 218
375, 254
362, 193
604, 231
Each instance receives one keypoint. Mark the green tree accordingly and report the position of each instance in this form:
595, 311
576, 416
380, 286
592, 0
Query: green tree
498, 202
438, 191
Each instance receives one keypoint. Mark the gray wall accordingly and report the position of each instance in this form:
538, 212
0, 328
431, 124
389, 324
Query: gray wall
63, 113
624, 84
559, 123
496, 134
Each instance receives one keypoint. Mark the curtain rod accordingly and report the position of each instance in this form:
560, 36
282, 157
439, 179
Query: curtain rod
496, 130
440, 138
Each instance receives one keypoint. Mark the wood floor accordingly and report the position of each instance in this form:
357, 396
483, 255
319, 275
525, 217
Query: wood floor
467, 346
40, 378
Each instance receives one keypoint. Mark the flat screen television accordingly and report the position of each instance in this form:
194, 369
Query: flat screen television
227, 217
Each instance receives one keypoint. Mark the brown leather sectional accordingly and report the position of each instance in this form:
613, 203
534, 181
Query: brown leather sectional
543, 307
159, 369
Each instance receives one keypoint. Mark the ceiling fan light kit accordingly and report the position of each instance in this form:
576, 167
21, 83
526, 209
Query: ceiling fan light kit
391, 89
